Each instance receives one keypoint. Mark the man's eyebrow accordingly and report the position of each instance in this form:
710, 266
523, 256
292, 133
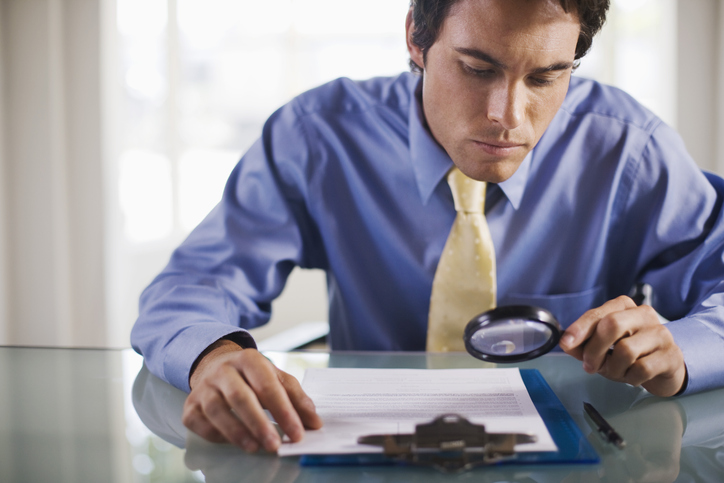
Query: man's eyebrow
553, 67
480, 55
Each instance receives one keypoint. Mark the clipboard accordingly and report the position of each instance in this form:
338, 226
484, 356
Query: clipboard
573, 447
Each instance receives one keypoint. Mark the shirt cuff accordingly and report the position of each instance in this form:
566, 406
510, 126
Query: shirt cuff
699, 346
183, 350
242, 338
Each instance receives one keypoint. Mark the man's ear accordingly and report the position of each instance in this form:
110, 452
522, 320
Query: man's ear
414, 51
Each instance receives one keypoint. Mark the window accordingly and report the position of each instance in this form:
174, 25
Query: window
199, 78
636, 51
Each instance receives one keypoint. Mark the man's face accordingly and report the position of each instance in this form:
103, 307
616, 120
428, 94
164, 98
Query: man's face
494, 79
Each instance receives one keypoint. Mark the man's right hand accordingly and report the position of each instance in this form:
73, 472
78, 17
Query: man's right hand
231, 387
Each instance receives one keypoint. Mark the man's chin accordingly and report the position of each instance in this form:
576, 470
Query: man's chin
490, 172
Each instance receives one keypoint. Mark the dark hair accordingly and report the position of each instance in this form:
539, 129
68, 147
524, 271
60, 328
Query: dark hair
428, 16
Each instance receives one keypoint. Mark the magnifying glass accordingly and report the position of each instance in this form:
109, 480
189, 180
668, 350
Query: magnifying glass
512, 333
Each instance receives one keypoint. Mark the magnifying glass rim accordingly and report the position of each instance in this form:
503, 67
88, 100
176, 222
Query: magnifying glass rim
526, 312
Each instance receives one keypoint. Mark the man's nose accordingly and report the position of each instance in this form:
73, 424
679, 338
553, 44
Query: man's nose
506, 104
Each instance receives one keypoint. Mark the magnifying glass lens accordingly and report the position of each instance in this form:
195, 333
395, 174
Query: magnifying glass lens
512, 334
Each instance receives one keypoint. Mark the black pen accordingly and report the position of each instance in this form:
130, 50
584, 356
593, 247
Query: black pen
605, 429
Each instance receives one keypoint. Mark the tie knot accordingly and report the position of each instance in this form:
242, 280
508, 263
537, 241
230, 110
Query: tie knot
469, 194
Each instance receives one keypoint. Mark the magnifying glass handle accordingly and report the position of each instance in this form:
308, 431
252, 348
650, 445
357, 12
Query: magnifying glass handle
642, 294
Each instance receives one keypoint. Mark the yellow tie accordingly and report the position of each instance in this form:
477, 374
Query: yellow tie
464, 283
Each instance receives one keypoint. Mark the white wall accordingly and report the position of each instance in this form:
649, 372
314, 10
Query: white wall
700, 80
3, 208
53, 185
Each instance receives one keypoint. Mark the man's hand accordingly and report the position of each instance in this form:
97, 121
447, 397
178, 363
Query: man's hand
644, 352
231, 387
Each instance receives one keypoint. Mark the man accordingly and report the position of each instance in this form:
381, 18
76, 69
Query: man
588, 194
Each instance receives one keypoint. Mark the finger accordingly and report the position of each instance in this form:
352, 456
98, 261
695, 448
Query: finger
578, 333
645, 341
644, 369
662, 373
218, 412
245, 401
301, 402
609, 331
273, 396
649, 358
624, 354
618, 327
194, 419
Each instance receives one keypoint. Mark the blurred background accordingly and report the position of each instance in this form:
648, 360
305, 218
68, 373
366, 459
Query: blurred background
121, 119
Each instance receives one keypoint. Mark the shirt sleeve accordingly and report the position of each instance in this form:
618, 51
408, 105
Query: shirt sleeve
681, 252
222, 279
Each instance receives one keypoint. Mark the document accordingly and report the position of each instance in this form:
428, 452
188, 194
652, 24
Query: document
359, 402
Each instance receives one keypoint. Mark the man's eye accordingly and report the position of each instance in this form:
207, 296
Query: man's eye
542, 81
479, 72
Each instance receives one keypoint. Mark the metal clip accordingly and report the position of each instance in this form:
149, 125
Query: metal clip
449, 443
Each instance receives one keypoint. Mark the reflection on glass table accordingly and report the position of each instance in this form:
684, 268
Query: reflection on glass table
70, 415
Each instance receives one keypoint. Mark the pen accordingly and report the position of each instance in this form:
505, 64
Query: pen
605, 429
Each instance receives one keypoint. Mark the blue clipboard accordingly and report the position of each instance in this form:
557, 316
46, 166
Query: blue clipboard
573, 447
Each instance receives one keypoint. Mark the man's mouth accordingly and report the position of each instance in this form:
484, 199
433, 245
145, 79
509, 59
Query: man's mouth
498, 148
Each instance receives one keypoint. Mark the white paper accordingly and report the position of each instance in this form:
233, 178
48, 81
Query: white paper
358, 402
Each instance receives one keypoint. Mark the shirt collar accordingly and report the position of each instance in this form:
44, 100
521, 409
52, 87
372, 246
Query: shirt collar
429, 160
514, 186
431, 163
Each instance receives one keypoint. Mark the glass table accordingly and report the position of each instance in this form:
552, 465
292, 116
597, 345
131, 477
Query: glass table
78, 415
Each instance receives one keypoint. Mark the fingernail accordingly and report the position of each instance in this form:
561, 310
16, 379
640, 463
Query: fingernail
567, 340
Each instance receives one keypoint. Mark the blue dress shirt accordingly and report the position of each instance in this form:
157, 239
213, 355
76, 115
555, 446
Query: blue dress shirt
347, 179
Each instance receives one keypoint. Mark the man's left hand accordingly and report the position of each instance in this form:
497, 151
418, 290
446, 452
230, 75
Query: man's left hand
627, 343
